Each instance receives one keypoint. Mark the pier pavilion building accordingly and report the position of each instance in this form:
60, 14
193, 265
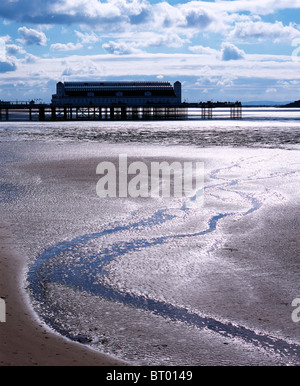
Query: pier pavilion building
117, 93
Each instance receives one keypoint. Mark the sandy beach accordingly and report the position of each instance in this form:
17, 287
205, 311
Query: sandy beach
24, 340
255, 258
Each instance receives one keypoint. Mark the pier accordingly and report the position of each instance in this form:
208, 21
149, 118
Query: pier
28, 111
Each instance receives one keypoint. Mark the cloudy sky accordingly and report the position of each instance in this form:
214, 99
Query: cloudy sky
220, 50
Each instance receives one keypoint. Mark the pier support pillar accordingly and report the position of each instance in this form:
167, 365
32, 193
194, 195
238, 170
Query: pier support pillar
135, 112
236, 112
53, 113
206, 112
41, 113
112, 113
123, 113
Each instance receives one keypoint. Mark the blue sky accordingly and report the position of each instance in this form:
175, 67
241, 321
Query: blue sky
220, 50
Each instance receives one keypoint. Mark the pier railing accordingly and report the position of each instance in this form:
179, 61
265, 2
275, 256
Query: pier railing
47, 112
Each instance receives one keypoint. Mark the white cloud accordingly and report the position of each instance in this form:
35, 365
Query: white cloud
91, 13
174, 22
199, 13
182, 18
261, 7
288, 84
145, 64
203, 50
120, 48
158, 40
271, 90
30, 59
140, 15
31, 36
264, 31
8, 64
228, 52
134, 41
87, 38
2, 50
226, 81
196, 16
65, 47
138, 11
13, 49
212, 78
231, 52
88, 9
81, 67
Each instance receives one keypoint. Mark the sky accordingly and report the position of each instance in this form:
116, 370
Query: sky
245, 50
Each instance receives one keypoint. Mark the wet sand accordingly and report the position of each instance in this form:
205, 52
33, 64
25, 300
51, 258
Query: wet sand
24, 340
264, 255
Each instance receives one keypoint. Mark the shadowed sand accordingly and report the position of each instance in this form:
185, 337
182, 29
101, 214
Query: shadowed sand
24, 340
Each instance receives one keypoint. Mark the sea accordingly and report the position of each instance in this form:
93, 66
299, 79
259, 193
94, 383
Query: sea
204, 279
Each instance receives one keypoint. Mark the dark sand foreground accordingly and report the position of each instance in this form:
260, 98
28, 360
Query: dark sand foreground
24, 340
